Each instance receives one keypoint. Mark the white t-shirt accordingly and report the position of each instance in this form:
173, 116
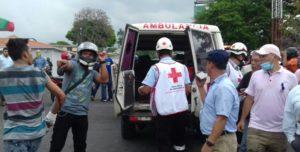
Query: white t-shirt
270, 93
5, 62
234, 73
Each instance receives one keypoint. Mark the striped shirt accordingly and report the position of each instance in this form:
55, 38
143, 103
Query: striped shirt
22, 89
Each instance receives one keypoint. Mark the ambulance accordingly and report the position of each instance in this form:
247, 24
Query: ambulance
191, 43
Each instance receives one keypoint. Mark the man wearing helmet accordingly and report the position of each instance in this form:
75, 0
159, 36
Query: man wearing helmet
168, 82
77, 84
238, 53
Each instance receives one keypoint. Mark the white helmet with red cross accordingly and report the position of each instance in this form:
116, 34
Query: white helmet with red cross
238, 48
164, 44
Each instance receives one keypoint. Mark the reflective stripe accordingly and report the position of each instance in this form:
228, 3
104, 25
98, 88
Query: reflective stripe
179, 148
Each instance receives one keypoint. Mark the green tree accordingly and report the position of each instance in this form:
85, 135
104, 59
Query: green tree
120, 35
291, 24
60, 43
92, 25
247, 21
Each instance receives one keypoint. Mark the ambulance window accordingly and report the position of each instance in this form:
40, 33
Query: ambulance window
202, 43
127, 62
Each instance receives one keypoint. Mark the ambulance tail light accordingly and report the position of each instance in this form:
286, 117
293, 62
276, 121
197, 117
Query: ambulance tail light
139, 119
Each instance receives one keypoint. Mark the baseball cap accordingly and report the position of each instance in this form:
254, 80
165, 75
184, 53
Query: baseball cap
269, 49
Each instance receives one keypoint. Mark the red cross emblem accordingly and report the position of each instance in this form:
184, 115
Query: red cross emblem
174, 75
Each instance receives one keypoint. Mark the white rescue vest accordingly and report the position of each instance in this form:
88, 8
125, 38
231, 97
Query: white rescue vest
168, 96
234, 75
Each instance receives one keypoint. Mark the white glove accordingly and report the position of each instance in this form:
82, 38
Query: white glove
50, 118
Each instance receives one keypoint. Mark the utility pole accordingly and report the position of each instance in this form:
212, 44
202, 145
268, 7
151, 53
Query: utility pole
277, 23
277, 27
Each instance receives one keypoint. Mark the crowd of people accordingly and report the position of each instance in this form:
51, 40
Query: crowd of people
251, 92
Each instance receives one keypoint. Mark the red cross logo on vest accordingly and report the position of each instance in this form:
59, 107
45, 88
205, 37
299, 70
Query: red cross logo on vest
174, 75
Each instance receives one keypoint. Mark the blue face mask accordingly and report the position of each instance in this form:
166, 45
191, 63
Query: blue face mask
267, 66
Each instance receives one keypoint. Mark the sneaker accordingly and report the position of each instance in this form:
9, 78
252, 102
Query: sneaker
104, 100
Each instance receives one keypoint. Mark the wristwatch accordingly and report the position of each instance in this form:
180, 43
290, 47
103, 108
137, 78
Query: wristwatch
209, 143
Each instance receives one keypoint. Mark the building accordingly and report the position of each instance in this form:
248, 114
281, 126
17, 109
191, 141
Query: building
46, 50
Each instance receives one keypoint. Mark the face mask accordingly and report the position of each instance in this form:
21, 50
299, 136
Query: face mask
267, 66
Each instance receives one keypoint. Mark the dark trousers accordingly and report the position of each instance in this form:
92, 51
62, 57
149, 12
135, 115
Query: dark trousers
296, 143
64, 122
170, 131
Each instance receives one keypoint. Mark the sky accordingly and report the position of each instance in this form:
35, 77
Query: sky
50, 20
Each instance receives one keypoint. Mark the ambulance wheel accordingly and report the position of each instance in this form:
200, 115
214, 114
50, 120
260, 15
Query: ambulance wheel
128, 129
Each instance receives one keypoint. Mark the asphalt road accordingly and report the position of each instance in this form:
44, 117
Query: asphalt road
104, 133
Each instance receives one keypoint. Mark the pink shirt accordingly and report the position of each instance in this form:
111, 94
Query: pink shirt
297, 73
269, 92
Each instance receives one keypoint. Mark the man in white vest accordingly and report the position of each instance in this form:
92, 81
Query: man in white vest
238, 53
168, 83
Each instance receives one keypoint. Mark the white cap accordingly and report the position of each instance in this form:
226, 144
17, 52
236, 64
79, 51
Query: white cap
268, 49
164, 44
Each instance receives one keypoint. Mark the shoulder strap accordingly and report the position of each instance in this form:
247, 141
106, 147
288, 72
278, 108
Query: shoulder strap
86, 73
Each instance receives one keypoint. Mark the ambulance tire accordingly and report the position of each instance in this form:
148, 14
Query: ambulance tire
128, 129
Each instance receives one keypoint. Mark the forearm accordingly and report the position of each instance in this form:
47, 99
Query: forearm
217, 129
187, 89
289, 125
247, 107
202, 93
55, 108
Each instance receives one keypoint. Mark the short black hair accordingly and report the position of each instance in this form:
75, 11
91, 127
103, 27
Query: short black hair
164, 52
16, 47
4, 49
219, 58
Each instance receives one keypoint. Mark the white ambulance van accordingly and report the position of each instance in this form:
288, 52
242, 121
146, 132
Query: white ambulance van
191, 43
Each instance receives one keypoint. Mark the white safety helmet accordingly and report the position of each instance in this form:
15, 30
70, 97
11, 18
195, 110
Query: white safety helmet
164, 44
89, 62
238, 48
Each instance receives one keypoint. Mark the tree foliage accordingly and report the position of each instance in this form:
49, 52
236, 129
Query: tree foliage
92, 25
291, 23
60, 43
247, 21
120, 35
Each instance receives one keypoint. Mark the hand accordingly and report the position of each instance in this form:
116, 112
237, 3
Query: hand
200, 83
240, 126
50, 119
206, 148
62, 63
102, 56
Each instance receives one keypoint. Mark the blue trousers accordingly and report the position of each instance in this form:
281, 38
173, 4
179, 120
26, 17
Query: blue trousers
22, 145
106, 88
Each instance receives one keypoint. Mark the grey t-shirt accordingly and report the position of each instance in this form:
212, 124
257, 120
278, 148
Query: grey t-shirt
77, 100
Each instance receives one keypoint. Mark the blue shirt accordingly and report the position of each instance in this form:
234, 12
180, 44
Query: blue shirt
221, 99
40, 63
78, 99
109, 62
152, 74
